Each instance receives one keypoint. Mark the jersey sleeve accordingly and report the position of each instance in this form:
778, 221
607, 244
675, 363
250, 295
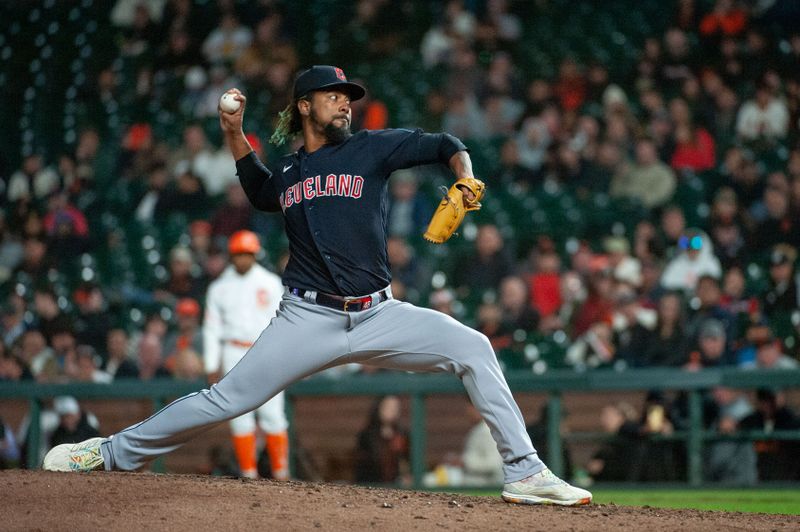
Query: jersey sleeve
257, 182
212, 333
404, 148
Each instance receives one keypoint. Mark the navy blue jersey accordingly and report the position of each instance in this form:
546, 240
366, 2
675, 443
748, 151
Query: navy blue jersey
334, 201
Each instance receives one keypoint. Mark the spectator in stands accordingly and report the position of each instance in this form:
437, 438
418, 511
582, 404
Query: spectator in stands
267, 48
179, 54
62, 365
34, 351
188, 335
735, 300
406, 267
711, 350
147, 205
187, 195
33, 181
649, 181
533, 141
708, 306
764, 117
74, 424
695, 148
726, 104
233, 215
625, 268
150, 360
612, 460
485, 266
656, 459
783, 295
187, 365
117, 362
200, 241
444, 300
12, 367
489, 321
648, 246
593, 349
633, 327
88, 366
215, 168
777, 459
673, 227
670, 344
732, 462
599, 303
93, 320
228, 40
382, 450
770, 355
206, 102
183, 279
677, 62
570, 88
695, 259
545, 284
409, 210
139, 31
506, 25
66, 227
510, 171
727, 228
49, 316
779, 226
464, 118
514, 302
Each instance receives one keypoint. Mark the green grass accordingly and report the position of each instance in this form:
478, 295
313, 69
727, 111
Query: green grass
771, 501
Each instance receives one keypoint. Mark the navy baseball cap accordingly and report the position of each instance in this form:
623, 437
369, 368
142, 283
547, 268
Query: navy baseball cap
320, 77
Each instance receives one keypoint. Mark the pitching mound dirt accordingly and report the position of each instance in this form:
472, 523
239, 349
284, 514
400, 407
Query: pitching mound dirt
39, 500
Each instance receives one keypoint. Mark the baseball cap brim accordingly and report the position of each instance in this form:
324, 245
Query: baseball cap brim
355, 91
326, 77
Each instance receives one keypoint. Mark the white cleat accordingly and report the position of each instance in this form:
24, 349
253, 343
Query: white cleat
545, 488
79, 457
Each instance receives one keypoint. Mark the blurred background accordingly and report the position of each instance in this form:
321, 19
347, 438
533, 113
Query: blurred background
643, 211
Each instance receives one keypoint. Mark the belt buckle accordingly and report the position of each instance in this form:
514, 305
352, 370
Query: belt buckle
364, 302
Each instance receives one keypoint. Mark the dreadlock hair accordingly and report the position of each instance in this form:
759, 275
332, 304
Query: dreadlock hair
289, 124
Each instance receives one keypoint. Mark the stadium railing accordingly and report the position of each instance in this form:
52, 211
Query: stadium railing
554, 383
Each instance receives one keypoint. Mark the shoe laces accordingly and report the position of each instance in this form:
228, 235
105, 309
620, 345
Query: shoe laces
551, 477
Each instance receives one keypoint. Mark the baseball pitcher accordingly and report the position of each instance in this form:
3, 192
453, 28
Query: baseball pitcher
337, 307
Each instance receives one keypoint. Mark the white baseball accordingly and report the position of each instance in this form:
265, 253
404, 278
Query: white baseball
228, 103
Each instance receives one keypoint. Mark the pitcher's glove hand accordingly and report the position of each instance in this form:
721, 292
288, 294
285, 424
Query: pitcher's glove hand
465, 195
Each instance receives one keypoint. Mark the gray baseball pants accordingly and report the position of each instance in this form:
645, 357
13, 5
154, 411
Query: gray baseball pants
304, 338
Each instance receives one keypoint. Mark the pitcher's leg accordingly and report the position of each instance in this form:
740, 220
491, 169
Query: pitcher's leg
277, 359
402, 336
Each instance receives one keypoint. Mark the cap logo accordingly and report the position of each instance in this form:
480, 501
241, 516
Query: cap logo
340, 74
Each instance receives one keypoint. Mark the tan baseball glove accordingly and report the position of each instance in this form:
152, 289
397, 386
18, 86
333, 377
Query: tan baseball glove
453, 207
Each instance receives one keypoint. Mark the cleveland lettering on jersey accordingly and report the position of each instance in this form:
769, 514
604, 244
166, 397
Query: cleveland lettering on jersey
342, 185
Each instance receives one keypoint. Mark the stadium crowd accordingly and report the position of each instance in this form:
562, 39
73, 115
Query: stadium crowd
642, 210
